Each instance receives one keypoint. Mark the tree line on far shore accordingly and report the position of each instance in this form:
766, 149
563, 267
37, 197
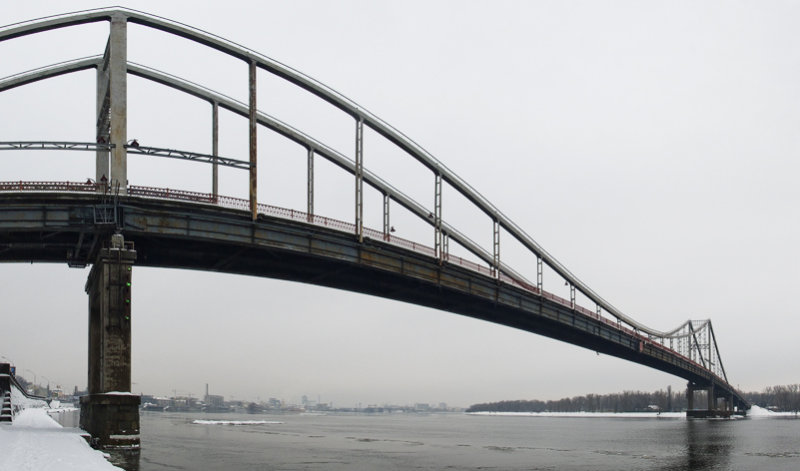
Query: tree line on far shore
627, 401
778, 398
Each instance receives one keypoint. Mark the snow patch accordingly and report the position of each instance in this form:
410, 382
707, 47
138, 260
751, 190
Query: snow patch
756, 411
635, 415
35, 442
236, 422
34, 418
19, 401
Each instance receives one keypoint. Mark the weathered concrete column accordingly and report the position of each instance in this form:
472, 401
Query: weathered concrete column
110, 413
689, 397
712, 400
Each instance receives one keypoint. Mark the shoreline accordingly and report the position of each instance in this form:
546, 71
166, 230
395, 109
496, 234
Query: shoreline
754, 412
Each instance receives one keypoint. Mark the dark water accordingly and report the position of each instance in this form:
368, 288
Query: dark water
461, 442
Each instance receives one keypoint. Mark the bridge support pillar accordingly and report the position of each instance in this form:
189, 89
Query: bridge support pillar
712, 409
110, 412
712, 400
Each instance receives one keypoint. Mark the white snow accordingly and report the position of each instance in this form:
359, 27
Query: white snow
235, 422
636, 415
35, 442
19, 401
34, 418
756, 411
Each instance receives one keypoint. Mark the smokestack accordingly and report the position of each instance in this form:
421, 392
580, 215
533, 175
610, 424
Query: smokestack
206, 398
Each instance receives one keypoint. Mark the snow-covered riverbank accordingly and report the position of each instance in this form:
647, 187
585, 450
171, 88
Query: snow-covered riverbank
755, 412
36, 442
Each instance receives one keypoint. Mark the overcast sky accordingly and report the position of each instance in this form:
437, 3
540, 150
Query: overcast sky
652, 147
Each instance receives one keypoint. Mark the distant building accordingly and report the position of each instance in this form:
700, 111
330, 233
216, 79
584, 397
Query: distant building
214, 401
183, 404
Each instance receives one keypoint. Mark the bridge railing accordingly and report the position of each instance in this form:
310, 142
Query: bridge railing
49, 187
304, 217
170, 194
285, 213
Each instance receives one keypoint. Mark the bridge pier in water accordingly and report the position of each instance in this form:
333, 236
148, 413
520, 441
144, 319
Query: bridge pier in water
717, 404
110, 413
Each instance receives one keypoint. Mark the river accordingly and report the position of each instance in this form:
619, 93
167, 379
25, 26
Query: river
171, 441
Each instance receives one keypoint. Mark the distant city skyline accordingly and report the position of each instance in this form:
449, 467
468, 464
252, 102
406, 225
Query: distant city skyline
652, 148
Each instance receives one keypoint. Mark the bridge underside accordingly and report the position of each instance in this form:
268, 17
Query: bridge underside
49, 228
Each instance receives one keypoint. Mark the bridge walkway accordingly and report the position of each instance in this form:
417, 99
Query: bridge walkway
190, 230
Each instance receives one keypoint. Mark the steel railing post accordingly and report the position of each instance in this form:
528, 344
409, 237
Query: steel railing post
214, 150
359, 174
437, 217
310, 184
496, 247
253, 142
387, 228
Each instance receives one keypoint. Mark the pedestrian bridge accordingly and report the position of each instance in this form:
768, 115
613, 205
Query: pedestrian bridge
112, 224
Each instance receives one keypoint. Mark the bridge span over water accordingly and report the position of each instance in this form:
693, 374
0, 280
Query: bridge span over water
113, 225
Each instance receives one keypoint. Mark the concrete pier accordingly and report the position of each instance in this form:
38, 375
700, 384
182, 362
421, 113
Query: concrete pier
718, 405
110, 413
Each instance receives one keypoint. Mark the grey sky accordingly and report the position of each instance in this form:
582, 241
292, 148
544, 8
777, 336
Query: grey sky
650, 146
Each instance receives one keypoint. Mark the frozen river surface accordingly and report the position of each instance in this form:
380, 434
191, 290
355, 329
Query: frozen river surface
173, 441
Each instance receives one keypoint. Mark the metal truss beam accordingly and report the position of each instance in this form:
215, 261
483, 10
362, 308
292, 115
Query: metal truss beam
187, 155
132, 149
55, 145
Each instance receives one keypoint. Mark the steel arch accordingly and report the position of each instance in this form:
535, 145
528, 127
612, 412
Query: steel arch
336, 99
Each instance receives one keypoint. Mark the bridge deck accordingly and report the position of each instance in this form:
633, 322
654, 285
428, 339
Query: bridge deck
199, 235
